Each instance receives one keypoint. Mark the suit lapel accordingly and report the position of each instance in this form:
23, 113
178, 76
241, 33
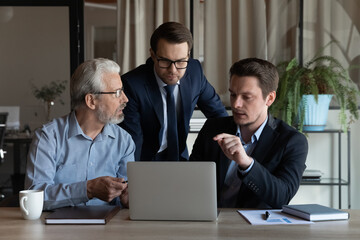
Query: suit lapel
153, 93
267, 139
186, 99
224, 161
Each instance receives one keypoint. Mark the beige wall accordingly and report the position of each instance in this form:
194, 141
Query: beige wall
100, 30
34, 49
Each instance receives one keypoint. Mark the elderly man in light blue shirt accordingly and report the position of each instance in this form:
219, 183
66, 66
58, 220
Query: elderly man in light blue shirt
80, 159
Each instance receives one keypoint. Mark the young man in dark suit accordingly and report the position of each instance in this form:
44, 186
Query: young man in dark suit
163, 94
260, 160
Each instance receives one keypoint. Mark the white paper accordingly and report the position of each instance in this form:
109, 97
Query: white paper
257, 217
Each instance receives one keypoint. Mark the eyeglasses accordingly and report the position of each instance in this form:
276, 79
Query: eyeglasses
166, 63
117, 92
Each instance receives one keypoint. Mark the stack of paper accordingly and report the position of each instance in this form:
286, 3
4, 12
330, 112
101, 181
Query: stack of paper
312, 175
196, 124
257, 217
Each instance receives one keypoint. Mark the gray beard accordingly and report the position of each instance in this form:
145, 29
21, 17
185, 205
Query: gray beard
109, 119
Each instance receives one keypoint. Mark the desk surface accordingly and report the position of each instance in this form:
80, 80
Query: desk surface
230, 225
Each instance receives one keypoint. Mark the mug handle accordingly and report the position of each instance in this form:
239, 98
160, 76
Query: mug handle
22, 200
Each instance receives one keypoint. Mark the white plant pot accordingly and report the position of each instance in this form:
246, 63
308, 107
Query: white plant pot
316, 113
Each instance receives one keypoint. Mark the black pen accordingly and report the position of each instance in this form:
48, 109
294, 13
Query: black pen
267, 215
125, 181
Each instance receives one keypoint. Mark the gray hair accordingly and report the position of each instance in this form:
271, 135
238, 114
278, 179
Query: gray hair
87, 78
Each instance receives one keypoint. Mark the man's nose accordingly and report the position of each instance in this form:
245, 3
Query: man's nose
172, 67
124, 98
238, 102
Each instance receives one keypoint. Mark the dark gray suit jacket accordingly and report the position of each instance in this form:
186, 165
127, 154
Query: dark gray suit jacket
279, 156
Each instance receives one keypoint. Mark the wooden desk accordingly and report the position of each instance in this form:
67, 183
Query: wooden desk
230, 225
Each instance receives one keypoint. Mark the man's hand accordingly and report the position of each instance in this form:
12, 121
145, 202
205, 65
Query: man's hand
105, 188
233, 149
124, 197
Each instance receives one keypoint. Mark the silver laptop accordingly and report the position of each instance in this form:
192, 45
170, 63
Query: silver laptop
183, 191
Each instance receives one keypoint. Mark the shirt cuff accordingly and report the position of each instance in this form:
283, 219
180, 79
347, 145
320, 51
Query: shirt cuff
243, 172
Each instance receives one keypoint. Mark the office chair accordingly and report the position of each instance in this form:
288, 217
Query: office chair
3, 118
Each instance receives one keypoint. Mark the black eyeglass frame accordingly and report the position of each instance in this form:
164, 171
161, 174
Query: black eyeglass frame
172, 62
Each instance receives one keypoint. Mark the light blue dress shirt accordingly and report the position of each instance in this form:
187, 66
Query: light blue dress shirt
62, 158
232, 182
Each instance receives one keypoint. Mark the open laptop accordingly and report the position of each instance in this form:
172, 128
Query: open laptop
183, 191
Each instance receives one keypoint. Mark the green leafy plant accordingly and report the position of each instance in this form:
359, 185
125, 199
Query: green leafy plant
48, 93
321, 75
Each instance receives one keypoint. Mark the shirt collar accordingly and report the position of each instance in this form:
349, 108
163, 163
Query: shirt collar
255, 137
75, 129
108, 131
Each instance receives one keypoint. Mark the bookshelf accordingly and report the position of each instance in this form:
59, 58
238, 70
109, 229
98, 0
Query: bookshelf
340, 180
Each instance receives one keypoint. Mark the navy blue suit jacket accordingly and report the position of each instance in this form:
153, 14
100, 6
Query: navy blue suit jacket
279, 157
144, 118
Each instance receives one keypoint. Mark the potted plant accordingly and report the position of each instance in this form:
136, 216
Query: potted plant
319, 76
48, 94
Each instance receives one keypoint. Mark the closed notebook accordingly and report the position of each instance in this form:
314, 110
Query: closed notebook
315, 212
82, 215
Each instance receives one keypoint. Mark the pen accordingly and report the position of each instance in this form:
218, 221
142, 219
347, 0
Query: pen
267, 215
125, 181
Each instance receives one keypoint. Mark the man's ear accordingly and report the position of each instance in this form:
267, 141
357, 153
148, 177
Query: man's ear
90, 101
270, 98
152, 54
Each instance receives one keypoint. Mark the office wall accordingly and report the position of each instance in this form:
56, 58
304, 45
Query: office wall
100, 32
323, 155
34, 49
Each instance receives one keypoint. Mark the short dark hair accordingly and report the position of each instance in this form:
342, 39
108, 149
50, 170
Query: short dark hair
173, 32
263, 70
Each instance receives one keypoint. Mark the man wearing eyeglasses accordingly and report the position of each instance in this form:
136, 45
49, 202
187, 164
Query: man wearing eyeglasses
163, 94
80, 159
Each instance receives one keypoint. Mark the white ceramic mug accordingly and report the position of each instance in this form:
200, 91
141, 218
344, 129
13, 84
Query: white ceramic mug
31, 203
